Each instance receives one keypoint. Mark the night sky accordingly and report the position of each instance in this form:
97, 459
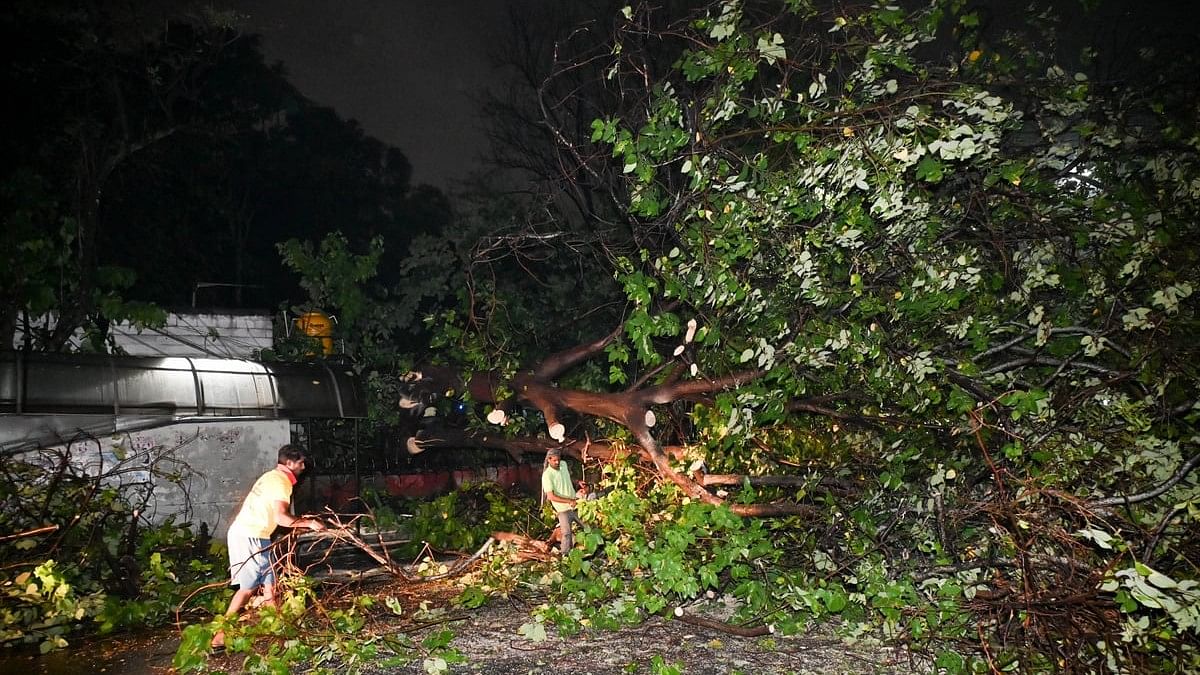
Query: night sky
407, 70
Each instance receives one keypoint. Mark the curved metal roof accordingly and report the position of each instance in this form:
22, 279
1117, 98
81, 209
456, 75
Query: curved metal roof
89, 384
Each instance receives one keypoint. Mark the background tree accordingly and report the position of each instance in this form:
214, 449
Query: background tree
297, 172
100, 90
151, 159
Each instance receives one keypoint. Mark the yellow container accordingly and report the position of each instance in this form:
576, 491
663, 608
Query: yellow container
317, 325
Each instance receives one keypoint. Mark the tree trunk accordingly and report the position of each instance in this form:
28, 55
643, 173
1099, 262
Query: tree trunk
632, 409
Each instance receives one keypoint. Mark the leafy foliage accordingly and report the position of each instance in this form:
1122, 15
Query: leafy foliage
993, 267
671, 548
961, 286
83, 558
331, 640
463, 519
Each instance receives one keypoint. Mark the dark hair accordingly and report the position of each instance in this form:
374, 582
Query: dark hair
291, 453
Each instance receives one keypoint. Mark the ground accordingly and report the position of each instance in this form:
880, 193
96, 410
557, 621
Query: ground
491, 643
489, 638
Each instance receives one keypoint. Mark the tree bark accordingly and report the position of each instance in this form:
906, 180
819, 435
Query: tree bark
518, 448
631, 409
724, 627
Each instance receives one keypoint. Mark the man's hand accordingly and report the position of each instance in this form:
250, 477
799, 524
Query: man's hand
316, 524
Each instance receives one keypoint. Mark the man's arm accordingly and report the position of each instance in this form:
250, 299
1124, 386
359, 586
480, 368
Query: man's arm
560, 500
548, 489
285, 518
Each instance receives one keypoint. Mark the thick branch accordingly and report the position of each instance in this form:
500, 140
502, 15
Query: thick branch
667, 393
775, 510
1126, 500
30, 533
802, 406
630, 409
527, 549
732, 479
693, 489
740, 631
517, 448
554, 365
1037, 360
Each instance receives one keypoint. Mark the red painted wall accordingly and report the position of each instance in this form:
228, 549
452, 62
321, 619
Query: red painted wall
338, 492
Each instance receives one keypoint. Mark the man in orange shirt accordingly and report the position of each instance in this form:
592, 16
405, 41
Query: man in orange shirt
251, 563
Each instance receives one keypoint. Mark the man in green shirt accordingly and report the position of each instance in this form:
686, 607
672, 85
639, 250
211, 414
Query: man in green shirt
556, 485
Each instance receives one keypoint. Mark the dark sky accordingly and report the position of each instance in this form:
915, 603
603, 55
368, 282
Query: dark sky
407, 70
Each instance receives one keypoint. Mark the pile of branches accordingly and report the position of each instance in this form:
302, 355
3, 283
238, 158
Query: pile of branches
81, 545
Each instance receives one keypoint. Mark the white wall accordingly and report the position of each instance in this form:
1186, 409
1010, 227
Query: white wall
217, 463
234, 336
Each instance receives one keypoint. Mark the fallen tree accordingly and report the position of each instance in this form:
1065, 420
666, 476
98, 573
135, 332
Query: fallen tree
907, 292
936, 306
632, 409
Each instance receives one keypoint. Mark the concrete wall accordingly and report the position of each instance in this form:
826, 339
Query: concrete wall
223, 335
235, 336
226, 458
217, 463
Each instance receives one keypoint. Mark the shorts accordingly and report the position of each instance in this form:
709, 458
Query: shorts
251, 562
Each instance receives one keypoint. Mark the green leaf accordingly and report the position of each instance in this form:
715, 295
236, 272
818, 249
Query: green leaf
1102, 538
952, 662
930, 169
533, 631
835, 602
1012, 172
959, 400
192, 653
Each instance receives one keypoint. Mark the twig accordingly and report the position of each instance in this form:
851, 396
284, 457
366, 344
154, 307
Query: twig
1126, 500
740, 631
183, 603
1162, 527
30, 533
341, 534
